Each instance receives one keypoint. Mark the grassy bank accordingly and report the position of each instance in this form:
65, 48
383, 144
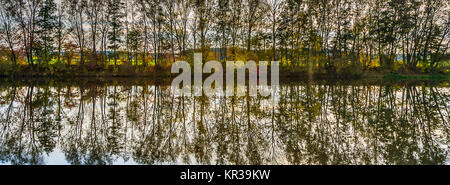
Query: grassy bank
164, 73
294, 76
397, 76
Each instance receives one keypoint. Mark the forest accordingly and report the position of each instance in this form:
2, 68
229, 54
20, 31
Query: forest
144, 37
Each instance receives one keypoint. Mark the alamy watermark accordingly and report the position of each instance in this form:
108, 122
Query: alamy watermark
204, 87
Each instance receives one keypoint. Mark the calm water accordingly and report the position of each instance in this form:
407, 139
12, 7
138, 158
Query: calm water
117, 122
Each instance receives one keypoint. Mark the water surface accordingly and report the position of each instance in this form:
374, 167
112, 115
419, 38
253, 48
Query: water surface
129, 122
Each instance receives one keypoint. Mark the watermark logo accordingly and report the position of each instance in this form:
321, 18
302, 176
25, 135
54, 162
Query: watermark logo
213, 84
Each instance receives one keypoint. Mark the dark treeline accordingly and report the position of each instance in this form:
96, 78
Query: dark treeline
149, 35
109, 123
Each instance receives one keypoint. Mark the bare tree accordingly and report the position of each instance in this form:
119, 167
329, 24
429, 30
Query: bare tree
8, 28
76, 12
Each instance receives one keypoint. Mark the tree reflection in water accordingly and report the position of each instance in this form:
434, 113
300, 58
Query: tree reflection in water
111, 123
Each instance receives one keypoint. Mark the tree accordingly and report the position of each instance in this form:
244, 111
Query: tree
115, 33
202, 13
274, 14
25, 14
93, 12
76, 10
60, 32
222, 25
256, 10
47, 23
134, 40
170, 6
8, 28
183, 10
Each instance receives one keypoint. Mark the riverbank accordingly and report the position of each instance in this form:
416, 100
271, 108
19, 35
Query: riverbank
397, 76
423, 80
295, 76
